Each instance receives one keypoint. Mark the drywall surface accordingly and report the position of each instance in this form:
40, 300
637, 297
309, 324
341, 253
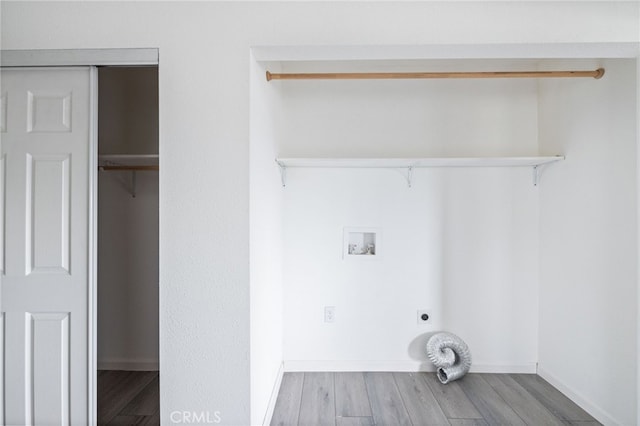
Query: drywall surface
128, 324
588, 247
204, 137
460, 243
265, 225
408, 118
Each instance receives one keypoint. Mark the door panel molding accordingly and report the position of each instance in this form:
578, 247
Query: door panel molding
2, 366
47, 354
3, 206
3, 112
47, 239
49, 112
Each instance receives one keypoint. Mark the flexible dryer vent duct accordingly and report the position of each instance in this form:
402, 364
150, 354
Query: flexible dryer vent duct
451, 356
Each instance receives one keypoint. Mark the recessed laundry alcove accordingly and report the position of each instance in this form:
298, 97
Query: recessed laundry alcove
535, 268
494, 253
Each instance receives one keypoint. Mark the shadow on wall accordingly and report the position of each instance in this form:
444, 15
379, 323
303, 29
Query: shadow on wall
417, 350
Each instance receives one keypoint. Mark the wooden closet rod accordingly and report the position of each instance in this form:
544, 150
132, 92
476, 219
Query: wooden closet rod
415, 75
131, 168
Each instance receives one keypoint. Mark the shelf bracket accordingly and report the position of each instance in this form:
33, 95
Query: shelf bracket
409, 176
283, 173
134, 183
536, 174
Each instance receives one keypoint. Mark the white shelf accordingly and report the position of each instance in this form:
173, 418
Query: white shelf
128, 160
411, 163
403, 163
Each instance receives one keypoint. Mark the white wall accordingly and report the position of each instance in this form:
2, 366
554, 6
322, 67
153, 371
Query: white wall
391, 118
461, 243
490, 266
266, 262
588, 245
128, 324
204, 137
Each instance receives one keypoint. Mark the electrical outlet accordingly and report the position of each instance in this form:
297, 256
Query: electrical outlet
424, 316
329, 313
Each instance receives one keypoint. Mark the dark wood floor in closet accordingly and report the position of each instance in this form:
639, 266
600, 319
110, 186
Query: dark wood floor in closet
359, 399
128, 397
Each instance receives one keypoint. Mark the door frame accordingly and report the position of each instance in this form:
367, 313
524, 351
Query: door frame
79, 57
91, 58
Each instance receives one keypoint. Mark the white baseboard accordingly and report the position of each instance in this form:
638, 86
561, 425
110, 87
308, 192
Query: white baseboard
600, 415
406, 366
317, 365
274, 397
525, 368
129, 364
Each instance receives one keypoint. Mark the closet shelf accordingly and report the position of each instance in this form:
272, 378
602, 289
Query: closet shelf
129, 163
400, 163
411, 163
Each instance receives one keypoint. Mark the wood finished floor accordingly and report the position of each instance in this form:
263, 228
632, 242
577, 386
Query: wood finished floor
419, 399
128, 397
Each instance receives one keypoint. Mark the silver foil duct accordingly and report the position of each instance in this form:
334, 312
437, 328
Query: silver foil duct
451, 356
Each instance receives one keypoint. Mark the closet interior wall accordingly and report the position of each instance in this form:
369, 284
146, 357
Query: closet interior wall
588, 240
128, 226
461, 243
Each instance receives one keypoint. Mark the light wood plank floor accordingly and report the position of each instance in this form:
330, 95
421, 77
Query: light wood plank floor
128, 397
419, 399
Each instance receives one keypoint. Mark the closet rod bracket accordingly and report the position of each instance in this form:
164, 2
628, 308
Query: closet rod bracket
283, 172
536, 174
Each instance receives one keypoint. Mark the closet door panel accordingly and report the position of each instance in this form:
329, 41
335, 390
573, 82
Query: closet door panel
45, 288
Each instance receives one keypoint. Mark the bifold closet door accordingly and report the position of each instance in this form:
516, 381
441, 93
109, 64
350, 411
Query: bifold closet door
46, 130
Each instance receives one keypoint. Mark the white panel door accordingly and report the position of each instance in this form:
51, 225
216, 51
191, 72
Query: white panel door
46, 133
